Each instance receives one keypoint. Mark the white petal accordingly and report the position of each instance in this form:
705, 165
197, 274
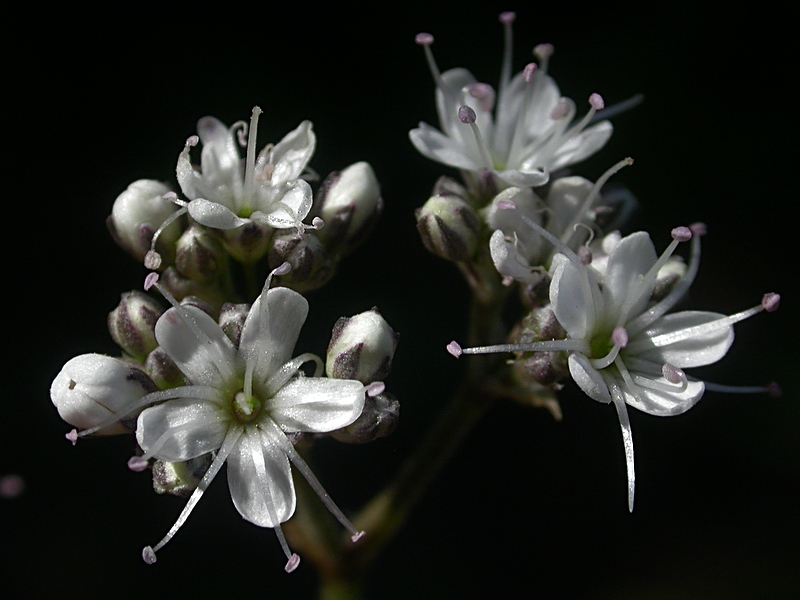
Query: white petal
589, 379
565, 198
182, 429
521, 178
271, 330
291, 155
660, 402
583, 145
213, 214
260, 480
449, 98
290, 209
508, 261
317, 404
198, 346
568, 296
219, 158
702, 348
433, 144
631, 259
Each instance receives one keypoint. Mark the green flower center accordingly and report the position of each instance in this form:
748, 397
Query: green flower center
246, 408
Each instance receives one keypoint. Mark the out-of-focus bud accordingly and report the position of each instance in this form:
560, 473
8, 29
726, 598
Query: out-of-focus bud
312, 265
350, 204
449, 227
248, 243
231, 320
447, 186
163, 370
361, 348
179, 478
136, 215
92, 388
132, 324
199, 254
378, 419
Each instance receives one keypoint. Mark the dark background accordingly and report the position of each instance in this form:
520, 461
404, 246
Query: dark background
529, 507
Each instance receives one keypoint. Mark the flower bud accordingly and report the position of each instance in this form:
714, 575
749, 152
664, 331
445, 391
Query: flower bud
449, 227
361, 348
179, 478
378, 419
231, 320
248, 243
199, 254
163, 370
545, 368
136, 215
92, 387
132, 324
312, 265
349, 206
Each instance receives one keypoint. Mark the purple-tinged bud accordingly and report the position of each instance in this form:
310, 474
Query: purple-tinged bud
378, 419
132, 324
179, 478
539, 368
361, 348
248, 243
92, 387
136, 215
231, 320
349, 204
163, 370
449, 228
312, 266
199, 254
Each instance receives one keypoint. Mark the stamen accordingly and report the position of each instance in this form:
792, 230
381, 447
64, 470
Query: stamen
468, 116
506, 18
596, 101
543, 52
566, 345
772, 389
484, 94
137, 464
375, 388
72, 436
453, 348
627, 436
292, 563
617, 109
152, 260
620, 339
426, 41
673, 374
249, 169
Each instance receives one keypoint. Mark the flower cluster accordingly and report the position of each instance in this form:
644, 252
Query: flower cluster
212, 379
596, 305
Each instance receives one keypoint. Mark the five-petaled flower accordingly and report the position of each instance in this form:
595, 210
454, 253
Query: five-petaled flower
520, 133
623, 348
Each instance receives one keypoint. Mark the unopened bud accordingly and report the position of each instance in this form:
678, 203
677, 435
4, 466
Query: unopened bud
378, 419
350, 205
92, 387
449, 227
231, 320
136, 215
163, 370
199, 254
545, 368
180, 478
311, 264
132, 323
249, 242
361, 347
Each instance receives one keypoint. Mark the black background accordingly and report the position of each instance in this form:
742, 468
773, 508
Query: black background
529, 507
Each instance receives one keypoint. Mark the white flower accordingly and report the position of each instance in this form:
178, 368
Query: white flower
531, 132
240, 404
625, 349
226, 191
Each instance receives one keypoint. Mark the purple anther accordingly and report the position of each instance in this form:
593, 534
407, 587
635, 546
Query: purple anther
698, 228
507, 18
137, 464
375, 388
150, 280
673, 374
681, 234
597, 102
72, 436
506, 205
544, 51
560, 111
484, 94
528, 72
454, 348
170, 196
192, 140
148, 555
620, 337
424, 39
292, 563
585, 255
774, 390
771, 301
355, 537
466, 115
317, 223
152, 260
283, 269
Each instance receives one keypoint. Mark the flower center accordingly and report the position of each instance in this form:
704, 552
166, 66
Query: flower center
246, 407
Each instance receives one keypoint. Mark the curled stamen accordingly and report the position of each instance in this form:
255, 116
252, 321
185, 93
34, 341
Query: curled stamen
467, 115
673, 374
